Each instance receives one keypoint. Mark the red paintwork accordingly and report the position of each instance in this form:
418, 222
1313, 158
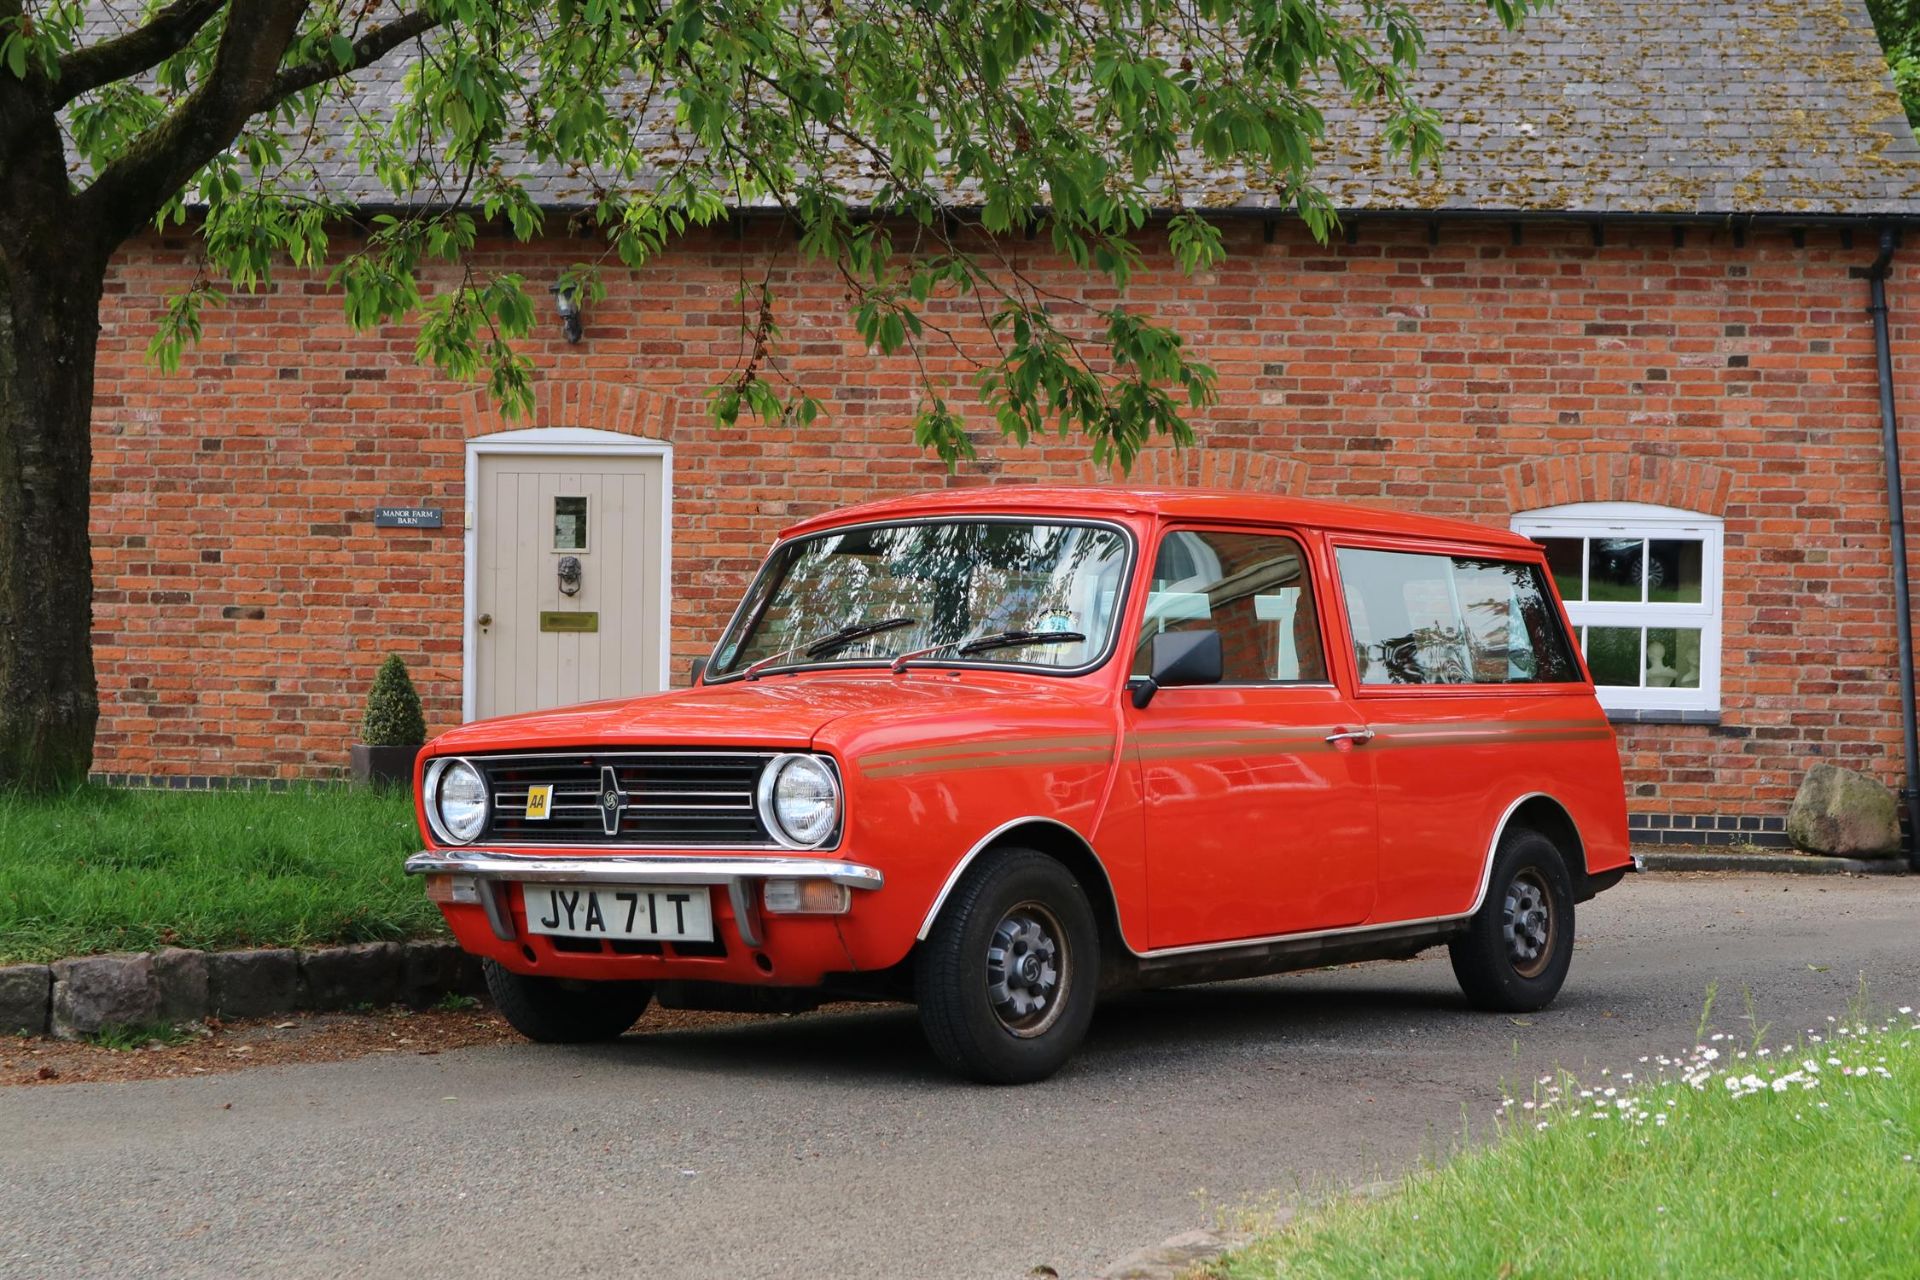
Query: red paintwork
1199, 847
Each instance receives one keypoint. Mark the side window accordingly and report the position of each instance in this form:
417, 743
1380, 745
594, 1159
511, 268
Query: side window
1406, 626
1513, 633
1250, 587
1433, 619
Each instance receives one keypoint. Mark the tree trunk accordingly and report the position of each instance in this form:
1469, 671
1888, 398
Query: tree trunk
49, 326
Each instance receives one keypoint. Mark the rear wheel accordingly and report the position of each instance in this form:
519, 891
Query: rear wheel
564, 1011
1007, 978
1516, 951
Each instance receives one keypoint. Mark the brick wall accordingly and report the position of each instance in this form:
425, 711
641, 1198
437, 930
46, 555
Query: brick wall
244, 596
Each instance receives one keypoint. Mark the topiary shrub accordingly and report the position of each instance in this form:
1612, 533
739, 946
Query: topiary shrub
393, 709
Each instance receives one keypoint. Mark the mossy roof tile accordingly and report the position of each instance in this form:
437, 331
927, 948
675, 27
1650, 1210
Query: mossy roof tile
1693, 107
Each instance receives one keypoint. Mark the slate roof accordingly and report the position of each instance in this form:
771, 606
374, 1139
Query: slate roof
1648, 106
1597, 107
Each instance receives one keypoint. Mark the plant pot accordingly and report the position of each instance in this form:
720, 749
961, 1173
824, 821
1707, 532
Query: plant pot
383, 766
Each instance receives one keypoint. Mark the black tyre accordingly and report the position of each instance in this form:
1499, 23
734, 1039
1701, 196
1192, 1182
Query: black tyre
562, 1011
1518, 946
1009, 974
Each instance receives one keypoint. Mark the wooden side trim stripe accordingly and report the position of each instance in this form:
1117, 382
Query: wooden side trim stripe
1099, 757
1186, 743
1034, 743
1265, 746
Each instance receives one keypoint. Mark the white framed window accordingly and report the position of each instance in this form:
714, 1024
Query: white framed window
1642, 588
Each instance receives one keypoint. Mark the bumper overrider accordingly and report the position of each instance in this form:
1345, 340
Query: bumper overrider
744, 878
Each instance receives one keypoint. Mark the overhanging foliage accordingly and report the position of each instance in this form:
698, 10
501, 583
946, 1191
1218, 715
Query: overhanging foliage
885, 132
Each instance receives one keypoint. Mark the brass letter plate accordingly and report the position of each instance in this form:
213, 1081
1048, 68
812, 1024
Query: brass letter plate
552, 620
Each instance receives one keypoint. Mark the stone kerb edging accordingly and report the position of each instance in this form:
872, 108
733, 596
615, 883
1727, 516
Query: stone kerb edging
82, 996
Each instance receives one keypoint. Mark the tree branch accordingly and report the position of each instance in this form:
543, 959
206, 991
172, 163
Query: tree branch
170, 30
128, 192
368, 49
245, 80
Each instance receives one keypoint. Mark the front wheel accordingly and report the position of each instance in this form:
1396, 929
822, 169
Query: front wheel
1007, 978
563, 1011
1517, 948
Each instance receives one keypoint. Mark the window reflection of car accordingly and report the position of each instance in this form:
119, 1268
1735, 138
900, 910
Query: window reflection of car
997, 751
1620, 560
1428, 656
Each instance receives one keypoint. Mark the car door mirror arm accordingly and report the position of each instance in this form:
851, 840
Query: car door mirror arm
1141, 689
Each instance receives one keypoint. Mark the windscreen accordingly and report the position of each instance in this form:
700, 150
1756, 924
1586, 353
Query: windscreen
1010, 592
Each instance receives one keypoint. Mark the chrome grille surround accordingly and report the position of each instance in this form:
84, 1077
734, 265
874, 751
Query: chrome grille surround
682, 799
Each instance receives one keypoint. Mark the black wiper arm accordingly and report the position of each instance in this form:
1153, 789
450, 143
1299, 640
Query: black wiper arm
828, 643
859, 631
1013, 639
981, 644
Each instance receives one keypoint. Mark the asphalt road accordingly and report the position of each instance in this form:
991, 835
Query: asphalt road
830, 1146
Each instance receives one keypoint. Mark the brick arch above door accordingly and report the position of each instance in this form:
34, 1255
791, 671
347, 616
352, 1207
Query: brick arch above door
1618, 477
619, 407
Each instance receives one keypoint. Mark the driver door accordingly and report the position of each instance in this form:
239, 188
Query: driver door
1256, 824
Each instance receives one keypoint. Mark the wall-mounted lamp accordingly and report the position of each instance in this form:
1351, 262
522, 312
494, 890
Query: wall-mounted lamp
569, 308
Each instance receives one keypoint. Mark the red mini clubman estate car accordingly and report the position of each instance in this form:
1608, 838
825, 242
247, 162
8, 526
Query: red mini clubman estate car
998, 750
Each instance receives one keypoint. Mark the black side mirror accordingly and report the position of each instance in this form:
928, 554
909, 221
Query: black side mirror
699, 668
1177, 658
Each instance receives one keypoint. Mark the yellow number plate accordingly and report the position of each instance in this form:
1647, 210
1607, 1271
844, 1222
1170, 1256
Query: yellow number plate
538, 798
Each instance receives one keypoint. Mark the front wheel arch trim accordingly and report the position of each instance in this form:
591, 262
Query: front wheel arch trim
1105, 902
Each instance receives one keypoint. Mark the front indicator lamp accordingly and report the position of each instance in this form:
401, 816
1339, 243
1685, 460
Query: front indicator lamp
455, 889
811, 897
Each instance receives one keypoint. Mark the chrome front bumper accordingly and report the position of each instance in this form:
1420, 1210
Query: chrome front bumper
494, 869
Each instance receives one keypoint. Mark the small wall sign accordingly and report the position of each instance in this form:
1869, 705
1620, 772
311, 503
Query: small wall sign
554, 620
406, 517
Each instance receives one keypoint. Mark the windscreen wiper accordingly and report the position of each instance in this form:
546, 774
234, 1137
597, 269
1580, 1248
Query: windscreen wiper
983, 644
826, 644
1012, 639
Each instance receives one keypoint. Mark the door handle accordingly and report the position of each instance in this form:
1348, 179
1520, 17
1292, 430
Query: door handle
1345, 738
484, 620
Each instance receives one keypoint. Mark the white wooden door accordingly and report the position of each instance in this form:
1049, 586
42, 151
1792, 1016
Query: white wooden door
535, 643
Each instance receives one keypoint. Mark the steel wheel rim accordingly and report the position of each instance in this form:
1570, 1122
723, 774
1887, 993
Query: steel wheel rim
1029, 968
1529, 924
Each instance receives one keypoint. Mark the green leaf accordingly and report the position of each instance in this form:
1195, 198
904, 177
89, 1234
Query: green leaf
909, 152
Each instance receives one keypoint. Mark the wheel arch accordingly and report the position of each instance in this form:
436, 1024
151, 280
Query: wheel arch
1538, 811
1058, 841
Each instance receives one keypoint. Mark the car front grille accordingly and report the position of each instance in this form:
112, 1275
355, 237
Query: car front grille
661, 799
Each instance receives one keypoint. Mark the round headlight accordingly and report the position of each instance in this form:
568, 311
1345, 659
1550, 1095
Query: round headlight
800, 800
460, 801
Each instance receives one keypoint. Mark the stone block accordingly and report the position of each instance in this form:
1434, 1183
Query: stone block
181, 989
435, 969
26, 995
94, 992
253, 984
1844, 814
341, 977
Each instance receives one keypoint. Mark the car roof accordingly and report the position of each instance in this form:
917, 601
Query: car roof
1178, 504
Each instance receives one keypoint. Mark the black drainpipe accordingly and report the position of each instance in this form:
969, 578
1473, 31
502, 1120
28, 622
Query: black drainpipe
1897, 523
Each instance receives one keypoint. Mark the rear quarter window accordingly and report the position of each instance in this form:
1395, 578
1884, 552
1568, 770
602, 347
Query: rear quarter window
1426, 619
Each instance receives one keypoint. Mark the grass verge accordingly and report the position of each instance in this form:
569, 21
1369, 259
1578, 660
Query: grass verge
109, 870
1730, 1161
